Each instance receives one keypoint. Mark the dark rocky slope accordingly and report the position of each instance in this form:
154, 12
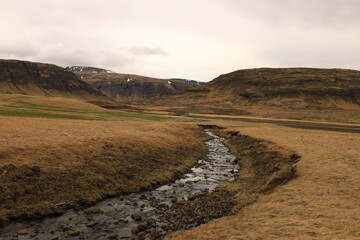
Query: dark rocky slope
130, 87
298, 87
286, 88
29, 78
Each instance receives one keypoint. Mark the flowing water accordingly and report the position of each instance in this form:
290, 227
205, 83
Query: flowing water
111, 219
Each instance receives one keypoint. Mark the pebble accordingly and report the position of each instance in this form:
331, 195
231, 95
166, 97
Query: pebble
23, 232
72, 233
91, 224
151, 221
142, 234
136, 216
155, 234
93, 210
113, 236
135, 230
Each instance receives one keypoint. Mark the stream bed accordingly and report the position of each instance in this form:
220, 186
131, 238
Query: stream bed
134, 216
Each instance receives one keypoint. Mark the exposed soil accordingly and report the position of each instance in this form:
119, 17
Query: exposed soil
265, 164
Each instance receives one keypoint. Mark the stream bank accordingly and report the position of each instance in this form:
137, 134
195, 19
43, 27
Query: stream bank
143, 215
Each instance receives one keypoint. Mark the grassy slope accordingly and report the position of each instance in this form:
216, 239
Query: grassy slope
323, 202
49, 107
83, 161
40, 79
294, 93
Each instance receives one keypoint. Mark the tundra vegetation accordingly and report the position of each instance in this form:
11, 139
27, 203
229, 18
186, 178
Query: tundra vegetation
58, 150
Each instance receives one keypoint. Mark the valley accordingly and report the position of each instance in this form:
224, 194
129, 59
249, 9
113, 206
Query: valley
79, 156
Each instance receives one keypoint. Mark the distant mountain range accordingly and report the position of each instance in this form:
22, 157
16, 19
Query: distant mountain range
232, 93
130, 87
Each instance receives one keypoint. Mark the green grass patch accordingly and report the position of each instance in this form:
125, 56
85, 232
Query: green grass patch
19, 107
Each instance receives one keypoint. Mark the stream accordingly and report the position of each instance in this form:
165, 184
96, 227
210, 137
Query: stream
121, 217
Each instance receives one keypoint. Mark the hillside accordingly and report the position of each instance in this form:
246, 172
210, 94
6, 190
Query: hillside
130, 87
292, 87
295, 93
39, 79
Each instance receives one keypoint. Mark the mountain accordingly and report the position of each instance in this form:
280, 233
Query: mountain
291, 87
40, 79
87, 69
130, 87
297, 93
188, 81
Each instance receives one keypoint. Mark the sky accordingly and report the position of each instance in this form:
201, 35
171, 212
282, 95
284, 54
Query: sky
193, 39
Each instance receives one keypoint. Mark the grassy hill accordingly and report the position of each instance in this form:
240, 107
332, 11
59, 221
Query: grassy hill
39, 79
297, 93
291, 87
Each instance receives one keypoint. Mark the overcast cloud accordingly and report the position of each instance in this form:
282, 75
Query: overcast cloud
196, 39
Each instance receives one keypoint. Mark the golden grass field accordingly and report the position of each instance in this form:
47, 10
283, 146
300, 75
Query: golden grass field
86, 153
323, 202
84, 161
220, 108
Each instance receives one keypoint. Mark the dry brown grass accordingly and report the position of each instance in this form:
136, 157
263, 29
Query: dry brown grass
220, 108
65, 103
267, 118
83, 161
323, 202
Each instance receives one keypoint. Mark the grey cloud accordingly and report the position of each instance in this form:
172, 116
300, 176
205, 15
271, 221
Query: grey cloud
148, 51
300, 13
320, 53
18, 49
64, 55
116, 60
199, 39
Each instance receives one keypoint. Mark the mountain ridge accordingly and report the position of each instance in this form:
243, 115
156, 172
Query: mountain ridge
130, 87
42, 79
310, 85
293, 93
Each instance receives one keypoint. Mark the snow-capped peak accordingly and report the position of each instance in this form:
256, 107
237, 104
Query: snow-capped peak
87, 68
